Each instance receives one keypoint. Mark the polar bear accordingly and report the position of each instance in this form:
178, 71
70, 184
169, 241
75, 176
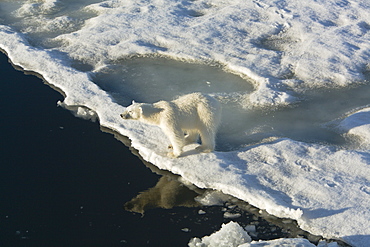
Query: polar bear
183, 120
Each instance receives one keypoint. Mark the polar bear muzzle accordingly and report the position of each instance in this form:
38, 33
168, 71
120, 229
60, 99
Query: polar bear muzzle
125, 116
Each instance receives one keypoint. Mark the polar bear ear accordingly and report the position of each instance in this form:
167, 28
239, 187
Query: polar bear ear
133, 102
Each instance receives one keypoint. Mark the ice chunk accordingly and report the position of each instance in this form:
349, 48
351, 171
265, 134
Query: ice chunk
250, 228
230, 235
81, 112
229, 215
212, 198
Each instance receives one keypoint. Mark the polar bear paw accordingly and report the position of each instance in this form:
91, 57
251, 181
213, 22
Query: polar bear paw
203, 149
172, 155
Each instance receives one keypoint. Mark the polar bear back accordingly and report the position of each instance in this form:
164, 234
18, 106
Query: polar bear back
192, 111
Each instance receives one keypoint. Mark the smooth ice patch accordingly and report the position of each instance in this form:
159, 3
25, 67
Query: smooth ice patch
156, 78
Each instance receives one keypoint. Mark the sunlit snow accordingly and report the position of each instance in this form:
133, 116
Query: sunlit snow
293, 78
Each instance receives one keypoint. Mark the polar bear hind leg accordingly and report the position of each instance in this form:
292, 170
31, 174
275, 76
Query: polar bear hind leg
211, 116
207, 137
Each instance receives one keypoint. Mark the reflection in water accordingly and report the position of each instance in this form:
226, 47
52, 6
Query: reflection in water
167, 193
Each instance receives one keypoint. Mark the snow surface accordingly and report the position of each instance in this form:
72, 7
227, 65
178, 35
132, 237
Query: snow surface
283, 48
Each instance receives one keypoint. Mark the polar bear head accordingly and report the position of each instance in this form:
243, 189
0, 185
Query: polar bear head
133, 111
141, 111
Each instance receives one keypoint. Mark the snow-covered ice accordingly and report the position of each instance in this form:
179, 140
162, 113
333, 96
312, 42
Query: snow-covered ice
295, 134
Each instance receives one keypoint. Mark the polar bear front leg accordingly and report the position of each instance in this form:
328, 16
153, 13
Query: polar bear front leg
176, 137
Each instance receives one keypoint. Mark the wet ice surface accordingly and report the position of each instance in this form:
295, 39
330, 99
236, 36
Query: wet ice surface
285, 145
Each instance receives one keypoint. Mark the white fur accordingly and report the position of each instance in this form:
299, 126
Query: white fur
182, 120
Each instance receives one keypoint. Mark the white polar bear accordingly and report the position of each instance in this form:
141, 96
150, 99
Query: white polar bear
182, 120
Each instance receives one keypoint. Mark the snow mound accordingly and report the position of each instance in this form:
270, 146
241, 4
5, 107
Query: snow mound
357, 126
230, 235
